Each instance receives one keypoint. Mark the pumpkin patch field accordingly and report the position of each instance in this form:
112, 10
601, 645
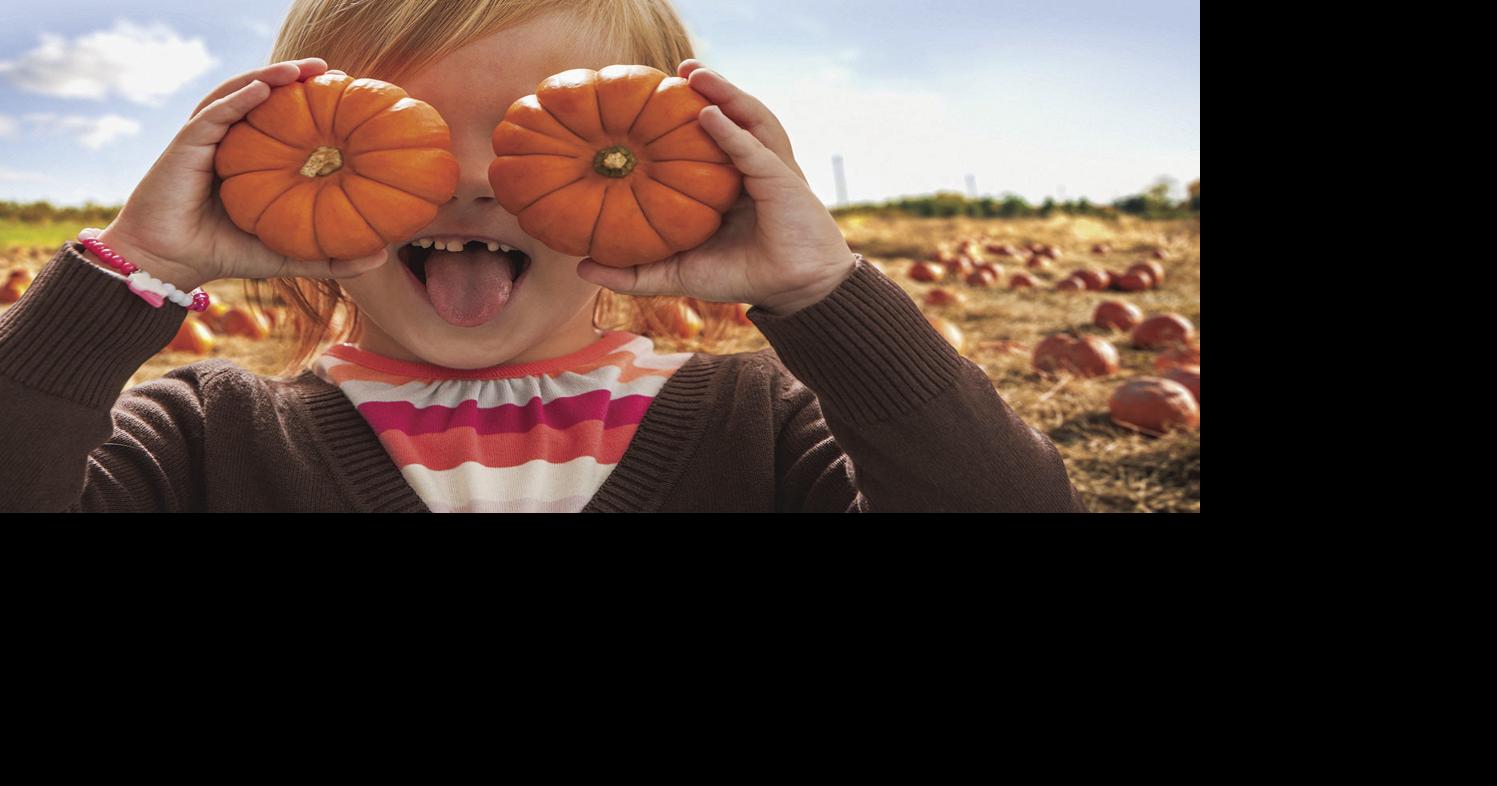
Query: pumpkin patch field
1089, 328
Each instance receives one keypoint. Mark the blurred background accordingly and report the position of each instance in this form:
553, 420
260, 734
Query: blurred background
1045, 142
1063, 99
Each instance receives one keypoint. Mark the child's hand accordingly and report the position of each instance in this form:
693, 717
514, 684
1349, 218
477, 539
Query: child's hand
778, 248
173, 225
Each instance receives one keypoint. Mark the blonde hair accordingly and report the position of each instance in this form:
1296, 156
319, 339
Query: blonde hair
389, 39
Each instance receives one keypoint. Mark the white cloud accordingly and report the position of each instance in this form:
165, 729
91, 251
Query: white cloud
8, 175
8, 126
258, 26
919, 135
140, 63
93, 133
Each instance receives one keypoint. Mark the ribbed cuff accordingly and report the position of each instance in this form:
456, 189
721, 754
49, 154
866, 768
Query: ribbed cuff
79, 333
866, 350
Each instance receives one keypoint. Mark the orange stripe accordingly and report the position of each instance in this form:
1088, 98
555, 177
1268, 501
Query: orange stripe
450, 448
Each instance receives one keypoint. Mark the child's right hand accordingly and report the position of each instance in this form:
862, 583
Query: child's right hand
173, 225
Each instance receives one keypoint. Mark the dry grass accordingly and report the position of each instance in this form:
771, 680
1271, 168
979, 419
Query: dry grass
1115, 469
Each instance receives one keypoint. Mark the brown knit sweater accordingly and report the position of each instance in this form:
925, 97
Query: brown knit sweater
858, 380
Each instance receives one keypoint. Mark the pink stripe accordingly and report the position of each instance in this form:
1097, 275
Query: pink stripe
559, 414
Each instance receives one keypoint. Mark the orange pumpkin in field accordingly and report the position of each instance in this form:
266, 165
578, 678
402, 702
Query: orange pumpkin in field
613, 165
948, 331
245, 321
1154, 406
193, 336
215, 314
15, 285
1117, 315
336, 168
674, 317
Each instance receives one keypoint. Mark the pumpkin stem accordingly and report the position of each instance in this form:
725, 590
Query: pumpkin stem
615, 161
323, 162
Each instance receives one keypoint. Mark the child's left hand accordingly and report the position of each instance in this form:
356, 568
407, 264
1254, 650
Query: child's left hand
778, 248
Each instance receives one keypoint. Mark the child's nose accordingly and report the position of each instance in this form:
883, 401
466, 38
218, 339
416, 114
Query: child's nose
473, 183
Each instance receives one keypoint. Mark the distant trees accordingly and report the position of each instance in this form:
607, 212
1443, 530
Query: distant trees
45, 212
1154, 202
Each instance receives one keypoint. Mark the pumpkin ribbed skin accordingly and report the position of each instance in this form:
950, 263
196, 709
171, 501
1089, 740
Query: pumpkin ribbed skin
613, 165
336, 168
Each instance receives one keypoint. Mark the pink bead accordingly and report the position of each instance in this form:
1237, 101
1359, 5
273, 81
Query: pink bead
128, 267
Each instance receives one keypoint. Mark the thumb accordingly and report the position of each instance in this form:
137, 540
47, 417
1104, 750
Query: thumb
333, 268
655, 278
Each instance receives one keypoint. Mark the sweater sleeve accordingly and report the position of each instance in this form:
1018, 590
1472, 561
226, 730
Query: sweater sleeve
72, 443
899, 420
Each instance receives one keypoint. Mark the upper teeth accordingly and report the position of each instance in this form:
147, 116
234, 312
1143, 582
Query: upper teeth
456, 244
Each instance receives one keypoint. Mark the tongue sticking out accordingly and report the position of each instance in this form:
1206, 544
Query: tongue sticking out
468, 287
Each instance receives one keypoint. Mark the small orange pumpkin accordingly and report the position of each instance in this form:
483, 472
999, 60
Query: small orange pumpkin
927, 272
15, 285
213, 317
982, 278
1117, 315
940, 296
949, 331
1163, 331
672, 317
336, 168
194, 337
1154, 406
1182, 356
1088, 357
1190, 377
613, 165
245, 321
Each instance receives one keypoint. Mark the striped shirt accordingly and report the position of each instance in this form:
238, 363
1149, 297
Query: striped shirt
528, 437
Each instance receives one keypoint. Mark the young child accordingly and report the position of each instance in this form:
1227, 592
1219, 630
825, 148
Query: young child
489, 386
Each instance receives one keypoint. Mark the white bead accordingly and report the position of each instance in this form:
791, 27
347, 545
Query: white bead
169, 288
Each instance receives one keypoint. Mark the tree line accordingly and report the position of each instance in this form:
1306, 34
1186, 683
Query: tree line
1153, 202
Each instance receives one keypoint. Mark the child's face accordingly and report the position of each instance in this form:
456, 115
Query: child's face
550, 313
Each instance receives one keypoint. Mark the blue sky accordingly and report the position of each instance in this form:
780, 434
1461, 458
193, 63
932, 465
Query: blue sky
1062, 98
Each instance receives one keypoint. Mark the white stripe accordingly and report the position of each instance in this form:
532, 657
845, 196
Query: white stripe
493, 392
645, 355
538, 479
573, 504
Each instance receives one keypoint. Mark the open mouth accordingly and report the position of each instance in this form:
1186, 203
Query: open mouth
415, 257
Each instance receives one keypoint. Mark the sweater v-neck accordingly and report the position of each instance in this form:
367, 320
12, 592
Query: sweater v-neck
667, 437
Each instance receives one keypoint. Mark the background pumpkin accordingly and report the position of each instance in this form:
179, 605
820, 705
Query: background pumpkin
1153, 406
613, 165
949, 331
1117, 315
1163, 331
336, 168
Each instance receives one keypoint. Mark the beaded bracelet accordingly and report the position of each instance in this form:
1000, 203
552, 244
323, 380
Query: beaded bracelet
150, 289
